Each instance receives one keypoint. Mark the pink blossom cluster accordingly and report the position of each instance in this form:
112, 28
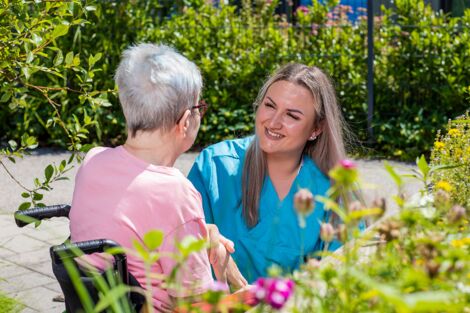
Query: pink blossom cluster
273, 291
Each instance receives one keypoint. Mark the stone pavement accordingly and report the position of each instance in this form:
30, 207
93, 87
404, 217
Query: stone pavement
25, 266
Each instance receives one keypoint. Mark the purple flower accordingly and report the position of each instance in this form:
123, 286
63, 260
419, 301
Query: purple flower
273, 291
347, 164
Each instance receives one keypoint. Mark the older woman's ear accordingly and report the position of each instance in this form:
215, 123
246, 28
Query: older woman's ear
184, 122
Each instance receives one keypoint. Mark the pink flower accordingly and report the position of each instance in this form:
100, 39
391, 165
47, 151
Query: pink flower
347, 164
303, 9
273, 291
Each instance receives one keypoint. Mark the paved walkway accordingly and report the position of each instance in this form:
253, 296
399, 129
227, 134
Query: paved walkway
25, 266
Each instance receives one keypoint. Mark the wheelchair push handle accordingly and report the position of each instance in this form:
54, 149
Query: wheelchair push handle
25, 217
71, 250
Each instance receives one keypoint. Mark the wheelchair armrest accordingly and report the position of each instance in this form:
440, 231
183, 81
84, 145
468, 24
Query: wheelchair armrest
25, 217
69, 250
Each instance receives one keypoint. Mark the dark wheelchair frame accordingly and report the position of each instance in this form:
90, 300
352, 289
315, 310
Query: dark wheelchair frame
68, 250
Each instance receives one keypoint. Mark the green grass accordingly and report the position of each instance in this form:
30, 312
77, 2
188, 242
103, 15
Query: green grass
8, 305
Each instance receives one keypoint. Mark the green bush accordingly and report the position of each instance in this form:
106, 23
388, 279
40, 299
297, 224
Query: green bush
422, 58
453, 148
421, 75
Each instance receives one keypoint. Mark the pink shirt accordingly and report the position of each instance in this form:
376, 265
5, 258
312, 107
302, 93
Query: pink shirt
120, 197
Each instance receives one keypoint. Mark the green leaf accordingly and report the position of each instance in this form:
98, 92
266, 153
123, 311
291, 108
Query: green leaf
69, 58
48, 172
5, 97
29, 57
143, 253
393, 174
190, 244
423, 165
13, 144
76, 60
31, 142
153, 239
37, 196
111, 297
60, 30
24, 206
93, 59
36, 39
25, 194
62, 165
26, 72
59, 58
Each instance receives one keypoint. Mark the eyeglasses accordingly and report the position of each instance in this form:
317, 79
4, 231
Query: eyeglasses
202, 106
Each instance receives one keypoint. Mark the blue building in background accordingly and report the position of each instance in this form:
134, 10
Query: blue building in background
354, 4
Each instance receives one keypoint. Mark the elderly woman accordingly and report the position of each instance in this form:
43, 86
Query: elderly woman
124, 192
248, 185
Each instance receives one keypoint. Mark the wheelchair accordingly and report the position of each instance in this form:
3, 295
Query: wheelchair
64, 254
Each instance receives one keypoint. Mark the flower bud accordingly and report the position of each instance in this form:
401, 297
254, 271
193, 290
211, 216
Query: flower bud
441, 198
355, 206
304, 202
381, 204
327, 232
432, 267
456, 214
342, 233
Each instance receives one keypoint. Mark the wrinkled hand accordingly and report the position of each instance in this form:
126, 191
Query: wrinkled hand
234, 277
216, 239
224, 267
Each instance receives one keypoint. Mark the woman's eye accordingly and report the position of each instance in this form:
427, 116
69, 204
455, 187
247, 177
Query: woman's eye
269, 105
295, 117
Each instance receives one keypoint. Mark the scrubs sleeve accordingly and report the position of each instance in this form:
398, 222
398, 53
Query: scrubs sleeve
199, 176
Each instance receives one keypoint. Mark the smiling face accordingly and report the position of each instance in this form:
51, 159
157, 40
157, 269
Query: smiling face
285, 119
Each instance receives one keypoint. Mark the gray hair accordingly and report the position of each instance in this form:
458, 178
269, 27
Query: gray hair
156, 84
326, 151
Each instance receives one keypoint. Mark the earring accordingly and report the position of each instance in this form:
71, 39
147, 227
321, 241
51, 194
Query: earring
312, 138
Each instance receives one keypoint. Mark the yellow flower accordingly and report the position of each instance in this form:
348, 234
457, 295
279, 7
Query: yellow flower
458, 243
444, 185
454, 132
438, 145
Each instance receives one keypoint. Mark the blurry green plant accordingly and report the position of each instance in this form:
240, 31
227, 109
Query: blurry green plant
417, 260
453, 147
112, 293
9, 305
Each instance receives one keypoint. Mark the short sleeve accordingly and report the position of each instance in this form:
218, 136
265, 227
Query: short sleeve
195, 276
199, 176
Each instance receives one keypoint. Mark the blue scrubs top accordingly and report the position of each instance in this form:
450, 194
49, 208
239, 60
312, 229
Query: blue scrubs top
277, 238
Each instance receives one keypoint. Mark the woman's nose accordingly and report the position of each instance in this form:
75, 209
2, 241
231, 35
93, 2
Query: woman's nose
275, 121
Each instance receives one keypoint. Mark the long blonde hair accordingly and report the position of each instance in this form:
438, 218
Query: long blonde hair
326, 151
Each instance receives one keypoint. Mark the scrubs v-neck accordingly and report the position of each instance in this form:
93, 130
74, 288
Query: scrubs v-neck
277, 238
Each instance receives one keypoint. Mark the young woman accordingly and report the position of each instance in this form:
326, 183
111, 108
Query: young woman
248, 185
